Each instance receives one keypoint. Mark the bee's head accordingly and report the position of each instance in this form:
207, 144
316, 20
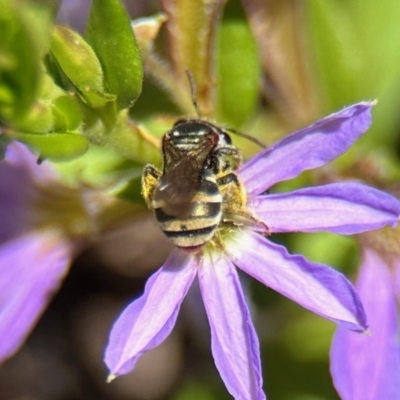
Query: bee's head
192, 132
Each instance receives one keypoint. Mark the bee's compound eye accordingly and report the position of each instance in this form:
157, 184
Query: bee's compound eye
225, 138
179, 122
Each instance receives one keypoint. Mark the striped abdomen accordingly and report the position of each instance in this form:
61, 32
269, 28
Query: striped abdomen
191, 222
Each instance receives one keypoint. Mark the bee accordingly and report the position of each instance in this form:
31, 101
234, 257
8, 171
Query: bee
198, 189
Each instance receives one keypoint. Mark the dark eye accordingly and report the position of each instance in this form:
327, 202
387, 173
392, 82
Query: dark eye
225, 138
180, 121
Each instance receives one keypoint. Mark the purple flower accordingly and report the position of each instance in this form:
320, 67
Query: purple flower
367, 367
31, 268
34, 253
345, 208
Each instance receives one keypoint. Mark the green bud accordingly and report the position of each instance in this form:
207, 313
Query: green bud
56, 146
80, 64
67, 114
39, 119
110, 34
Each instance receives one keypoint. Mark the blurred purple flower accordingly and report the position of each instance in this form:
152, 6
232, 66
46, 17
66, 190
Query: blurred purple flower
345, 208
34, 254
367, 367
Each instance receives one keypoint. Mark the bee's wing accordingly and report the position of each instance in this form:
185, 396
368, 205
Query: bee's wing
183, 178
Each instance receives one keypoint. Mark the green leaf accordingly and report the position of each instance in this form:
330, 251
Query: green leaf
80, 64
101, 167
56, 146
39, 119
110, 34
19, 60
238, 72
24, 33
40, 116
67, 114
53, 110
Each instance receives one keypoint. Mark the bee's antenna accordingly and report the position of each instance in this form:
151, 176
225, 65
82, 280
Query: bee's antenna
193, 92
197, 108
248, 137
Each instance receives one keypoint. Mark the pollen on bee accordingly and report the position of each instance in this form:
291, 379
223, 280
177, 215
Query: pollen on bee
198, 184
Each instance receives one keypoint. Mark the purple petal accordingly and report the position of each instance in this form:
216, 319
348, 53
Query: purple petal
367, 367
16, 196
396, 271
146, 322
19, 156
31, 268
233, 339
306, 149
19, 176
345, 208
314, 286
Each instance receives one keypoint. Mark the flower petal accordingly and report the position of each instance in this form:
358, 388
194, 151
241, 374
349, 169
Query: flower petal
345, 208
314, 286
19, 176
306, 149
234, 341
21, 157
16, 195
146, 322
396, 274
367, 367
31, 268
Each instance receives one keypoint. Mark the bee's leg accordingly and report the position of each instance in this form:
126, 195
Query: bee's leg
150, 178
245, 217
233, 193
230, 151
234, 202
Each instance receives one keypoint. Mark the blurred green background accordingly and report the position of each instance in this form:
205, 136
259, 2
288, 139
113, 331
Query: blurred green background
279, 65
